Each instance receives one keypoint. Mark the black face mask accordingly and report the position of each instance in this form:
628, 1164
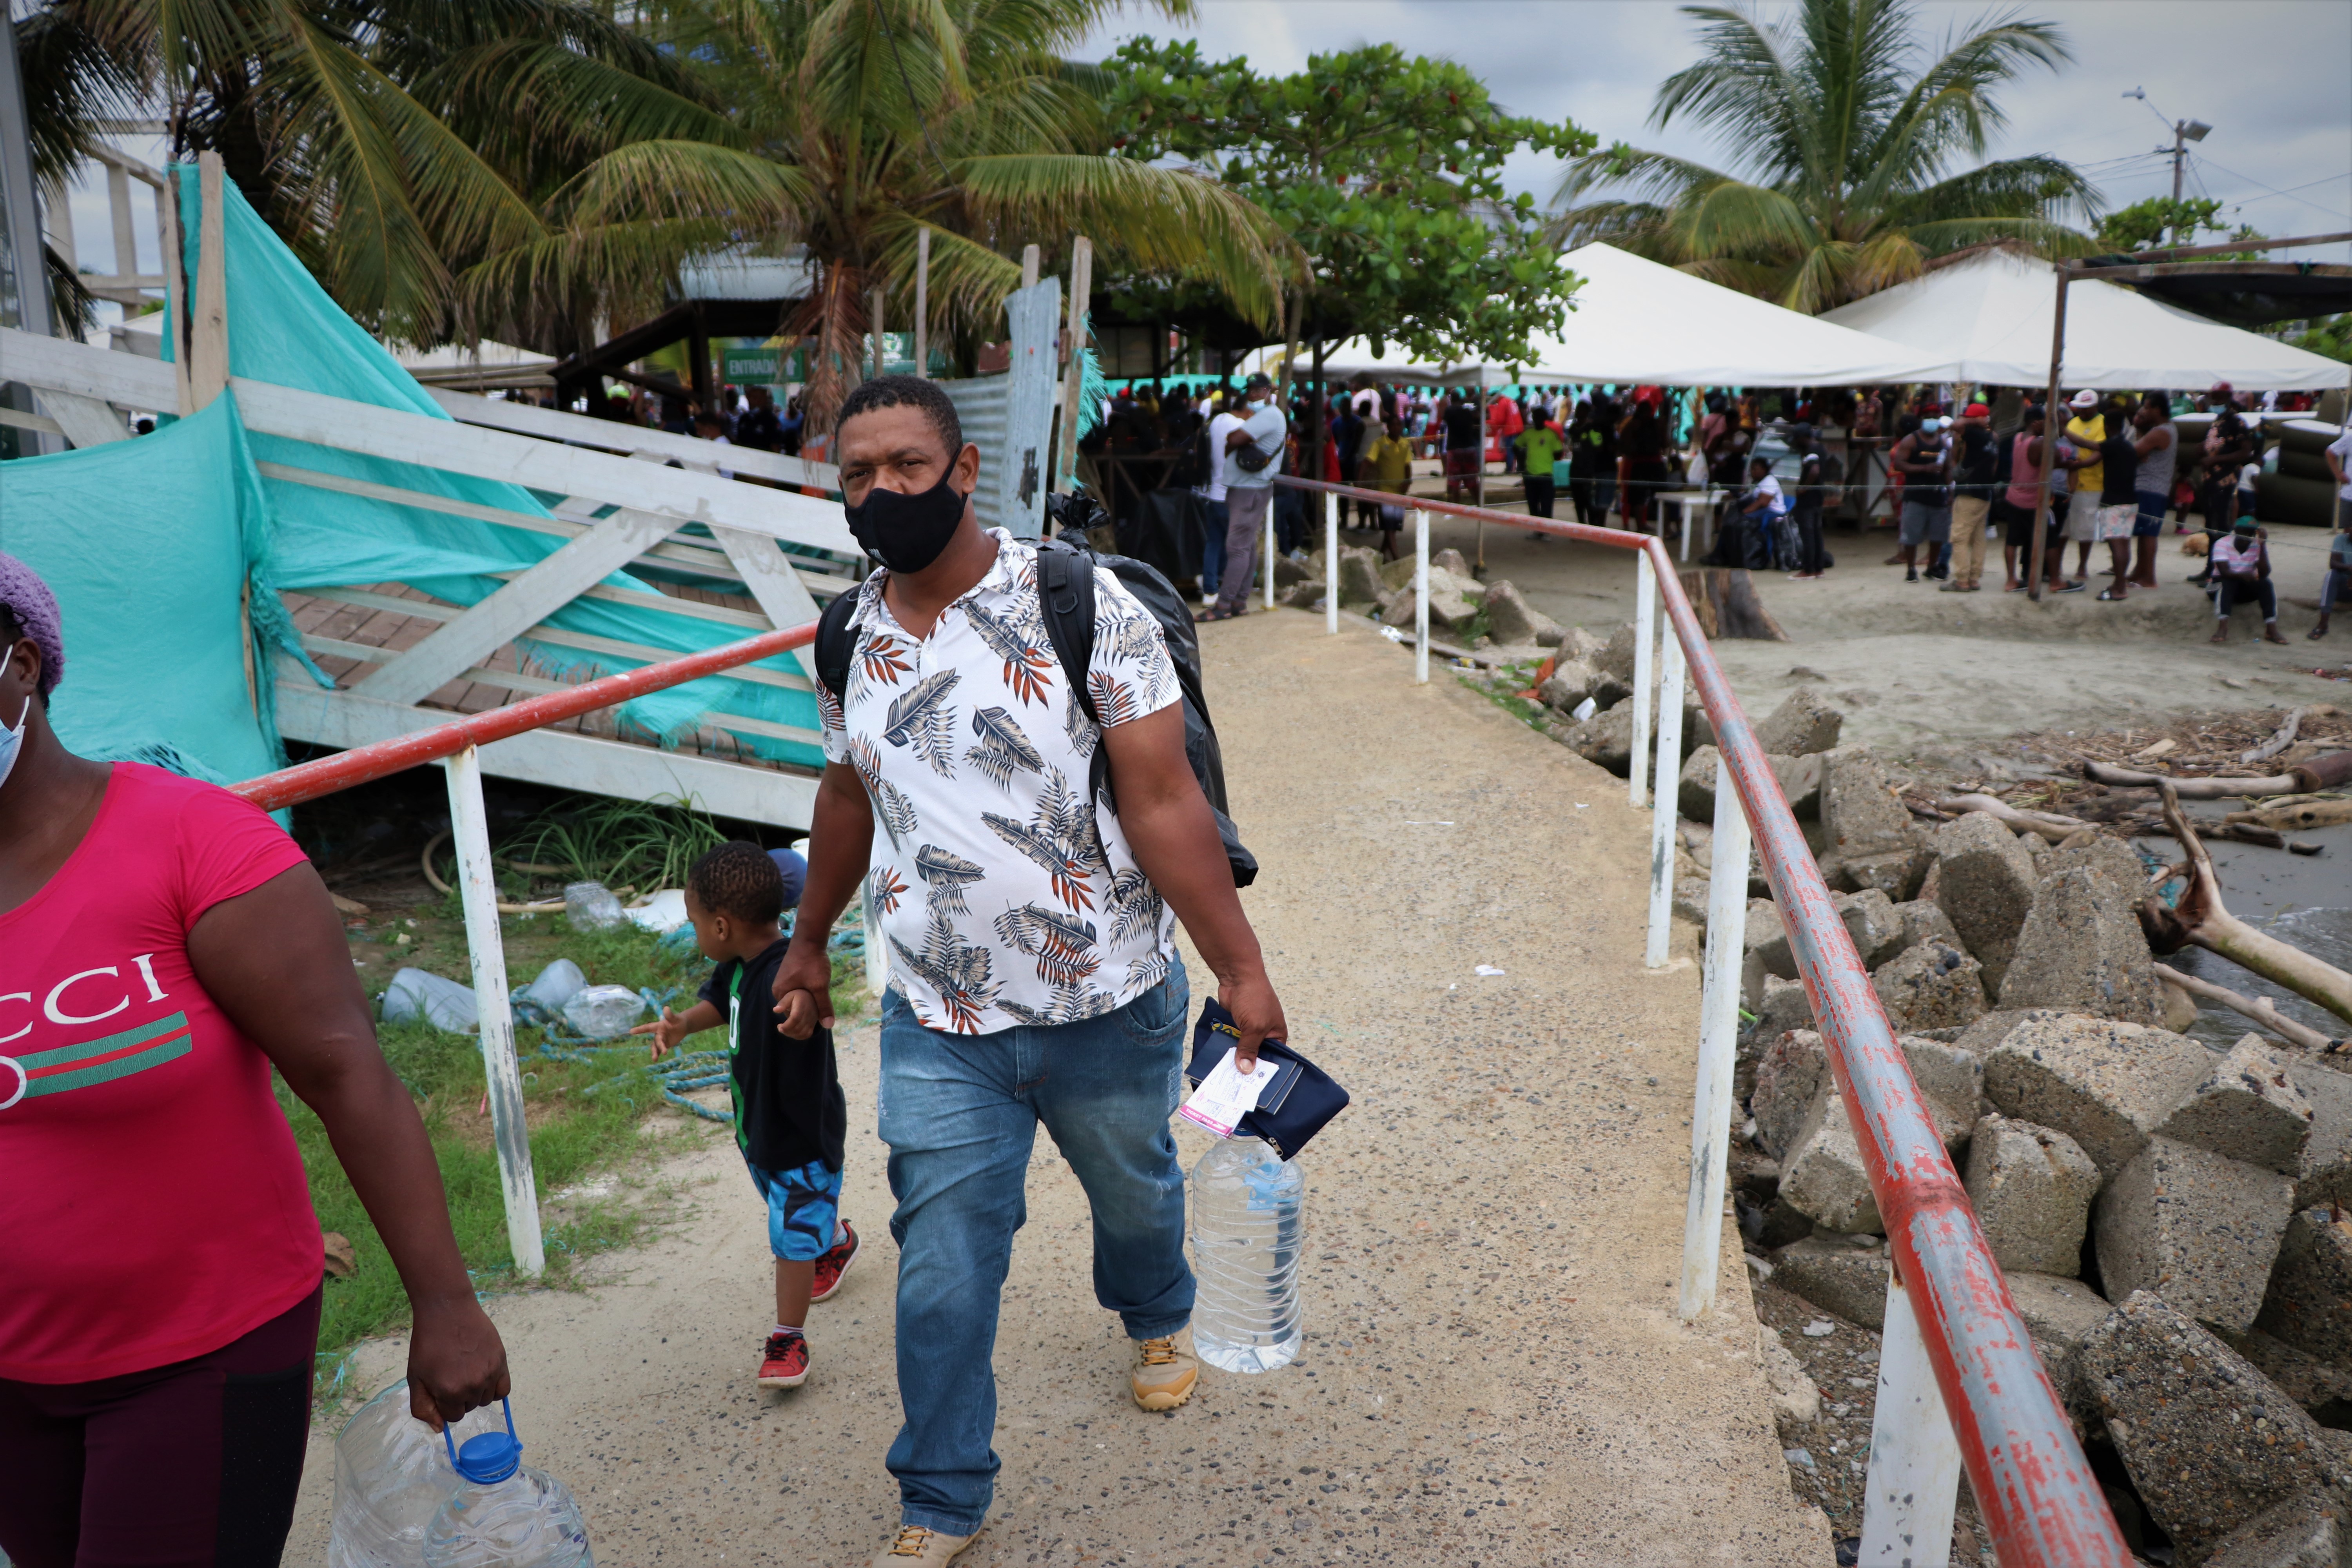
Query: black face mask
907, 532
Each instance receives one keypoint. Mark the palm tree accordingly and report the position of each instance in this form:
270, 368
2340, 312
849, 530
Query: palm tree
1844, 154
842, 128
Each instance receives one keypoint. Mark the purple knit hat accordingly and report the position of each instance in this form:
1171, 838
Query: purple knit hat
28, 599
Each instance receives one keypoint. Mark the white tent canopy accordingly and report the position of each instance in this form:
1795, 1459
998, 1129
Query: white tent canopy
1637, 322
1989, 314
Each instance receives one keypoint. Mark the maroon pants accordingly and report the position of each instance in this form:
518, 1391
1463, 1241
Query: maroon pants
194, 1464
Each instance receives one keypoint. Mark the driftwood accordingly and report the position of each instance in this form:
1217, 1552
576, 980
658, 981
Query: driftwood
2259, 1008
2278, 743
2050, 824
1724, 599
2189, 789
2203, 919
2296, 813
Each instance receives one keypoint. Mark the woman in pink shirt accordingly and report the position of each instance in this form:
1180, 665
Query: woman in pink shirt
163, 945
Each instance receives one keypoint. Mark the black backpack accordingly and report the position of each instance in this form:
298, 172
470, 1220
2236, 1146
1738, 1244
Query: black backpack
1065, 587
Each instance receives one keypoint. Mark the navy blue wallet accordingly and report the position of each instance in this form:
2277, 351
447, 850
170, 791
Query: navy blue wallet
1296, 1103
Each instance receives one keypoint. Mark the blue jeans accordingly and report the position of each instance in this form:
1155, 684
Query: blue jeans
1213, 548
961, 1114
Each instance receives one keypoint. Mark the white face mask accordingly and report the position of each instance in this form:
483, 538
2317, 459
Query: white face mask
12, 741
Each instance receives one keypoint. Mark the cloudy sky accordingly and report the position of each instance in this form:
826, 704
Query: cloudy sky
2273, 77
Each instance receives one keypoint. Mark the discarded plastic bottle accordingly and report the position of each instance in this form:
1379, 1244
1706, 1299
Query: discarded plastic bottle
590, 906
504, 1515
1247, 1229
390, 1477
603, 1012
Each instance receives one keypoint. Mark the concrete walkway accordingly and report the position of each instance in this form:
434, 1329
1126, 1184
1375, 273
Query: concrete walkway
1494, 1374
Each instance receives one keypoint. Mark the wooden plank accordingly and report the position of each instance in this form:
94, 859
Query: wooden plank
60, 364
610, 434
564, 759
84, 421
208, 318
779, 589
522, 604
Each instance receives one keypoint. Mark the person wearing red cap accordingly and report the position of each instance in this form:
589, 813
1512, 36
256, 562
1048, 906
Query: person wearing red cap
1972, 498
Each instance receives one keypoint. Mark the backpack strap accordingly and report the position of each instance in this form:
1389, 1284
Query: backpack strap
1066, 593
836, 644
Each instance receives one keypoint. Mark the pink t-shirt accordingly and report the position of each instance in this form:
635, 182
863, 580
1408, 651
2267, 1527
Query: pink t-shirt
153, 1206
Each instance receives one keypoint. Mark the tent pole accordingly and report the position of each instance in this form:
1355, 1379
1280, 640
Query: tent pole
2050, 427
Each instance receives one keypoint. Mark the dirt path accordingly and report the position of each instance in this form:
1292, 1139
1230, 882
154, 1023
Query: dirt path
1493, 1374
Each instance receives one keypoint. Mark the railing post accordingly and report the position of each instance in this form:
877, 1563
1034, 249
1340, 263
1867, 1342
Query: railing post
1719, 1043
469, 825
1330, 564
1421, 598
1914, 1460
1271, 496
1665, 803
1646, 638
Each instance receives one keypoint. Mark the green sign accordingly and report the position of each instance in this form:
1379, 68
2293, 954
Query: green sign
760, 366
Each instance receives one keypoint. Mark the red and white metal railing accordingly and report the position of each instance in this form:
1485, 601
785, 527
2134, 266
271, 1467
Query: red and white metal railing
1958, 1381
458, 744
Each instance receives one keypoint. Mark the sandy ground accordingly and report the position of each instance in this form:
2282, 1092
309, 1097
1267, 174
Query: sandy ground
1494, 1374
1912, 666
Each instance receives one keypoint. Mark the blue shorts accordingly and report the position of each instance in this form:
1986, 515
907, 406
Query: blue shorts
2150, 521
804, 1209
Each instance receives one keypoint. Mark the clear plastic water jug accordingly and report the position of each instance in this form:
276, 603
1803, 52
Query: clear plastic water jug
504, 1514
390, 1477
1247, 1229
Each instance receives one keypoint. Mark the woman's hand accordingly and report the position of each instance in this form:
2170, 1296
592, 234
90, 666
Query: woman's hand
456, 1362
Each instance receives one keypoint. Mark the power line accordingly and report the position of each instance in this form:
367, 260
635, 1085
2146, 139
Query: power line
2331, 212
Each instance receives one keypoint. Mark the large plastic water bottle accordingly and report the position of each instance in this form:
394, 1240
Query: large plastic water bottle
1246, 1232
503, 1514
391, 1476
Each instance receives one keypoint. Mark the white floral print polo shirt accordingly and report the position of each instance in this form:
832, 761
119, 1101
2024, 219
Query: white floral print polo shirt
1005, 896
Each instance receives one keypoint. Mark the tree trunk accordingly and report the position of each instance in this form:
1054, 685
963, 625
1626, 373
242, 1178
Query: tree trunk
1725, 600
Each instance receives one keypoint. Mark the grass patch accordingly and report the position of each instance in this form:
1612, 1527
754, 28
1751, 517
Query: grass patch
575, 1134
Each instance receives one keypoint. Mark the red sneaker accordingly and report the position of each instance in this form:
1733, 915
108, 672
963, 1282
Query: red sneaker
784, 1362
832, 1265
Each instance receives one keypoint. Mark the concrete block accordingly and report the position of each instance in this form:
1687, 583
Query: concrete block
1837, 1276
1897, 873
2031, 1188
2198, 1229
2060, 1313
1766, 943
2324, 1390
1514, 621
1871, 920
2247, 1107
1859, 810
1790, 1076
1931, 987
1577, 643
2323, 1174
1616, 655
2308, 1530
1571, 681
2209, 1442
1923, 920
2108, 1086
1953, 1081
1360, 575
2081, 949
1794, 1396
1799, 779
2309, 1303
1785, 1008
1985, 883
1801, 726
1988, 1031
1823, 1174
1605, 739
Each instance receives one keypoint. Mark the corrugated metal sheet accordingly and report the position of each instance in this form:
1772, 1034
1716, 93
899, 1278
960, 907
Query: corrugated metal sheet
983, 404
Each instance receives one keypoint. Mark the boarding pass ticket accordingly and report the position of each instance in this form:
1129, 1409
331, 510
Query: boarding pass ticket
1227, 1094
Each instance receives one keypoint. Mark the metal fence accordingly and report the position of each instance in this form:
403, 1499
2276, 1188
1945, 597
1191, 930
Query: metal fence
1958, 1381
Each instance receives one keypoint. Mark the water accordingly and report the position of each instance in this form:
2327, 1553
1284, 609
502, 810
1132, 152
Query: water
1247, 1227
2298, 898
392, 1474
527, 1520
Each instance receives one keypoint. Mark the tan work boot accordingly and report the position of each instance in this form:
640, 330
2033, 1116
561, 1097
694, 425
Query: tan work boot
1163, 1376
916, 1545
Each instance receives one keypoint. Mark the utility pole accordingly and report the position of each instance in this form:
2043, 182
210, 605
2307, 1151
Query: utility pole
2183, 132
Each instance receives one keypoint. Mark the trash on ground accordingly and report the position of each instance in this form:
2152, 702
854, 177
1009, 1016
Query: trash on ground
661, 914
604, 1012
1486, 971
417, 995
1820, 1329
590, 906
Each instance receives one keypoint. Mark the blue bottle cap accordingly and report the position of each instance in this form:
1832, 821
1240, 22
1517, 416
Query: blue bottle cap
490, 1457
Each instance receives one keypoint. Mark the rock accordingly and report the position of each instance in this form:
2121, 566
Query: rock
1360, 575
2081, 949
1577, 643
1766, 943
1897, 873
1802, 725
1303, 595
1785, 1007
1837, 1276
2308, 1530
2031, 1188
2111, 858
1289, 574
2060, 1313
2324, 1391
1924, 922
1571, 681
1870, 919
2198, 1229
1794, 1397
1690, 900
2209, 1442
1514, 620
2324, 1173
1451, 560
1799, 778
2309, 1303
1953, 1081
1859, 810
2247, 1107
1931, 987
2108, 1086
1606, 739
1616, 655
1790, 1077
1823, 1174
1988, 1031
1398, 573
1776, 1224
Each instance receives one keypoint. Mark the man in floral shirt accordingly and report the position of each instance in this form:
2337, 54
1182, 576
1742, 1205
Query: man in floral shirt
1034, 975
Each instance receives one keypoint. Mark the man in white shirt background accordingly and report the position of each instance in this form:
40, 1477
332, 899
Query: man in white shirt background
1249, 493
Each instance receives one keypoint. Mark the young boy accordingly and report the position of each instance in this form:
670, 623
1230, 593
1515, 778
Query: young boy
789, 1112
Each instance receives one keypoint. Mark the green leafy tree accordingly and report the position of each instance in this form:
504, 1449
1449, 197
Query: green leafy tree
841, 129
2329, 335
1845, 127
1385, 168
2160, 223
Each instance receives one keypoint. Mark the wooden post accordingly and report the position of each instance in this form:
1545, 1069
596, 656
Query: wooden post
874, 296
922, 302
175, 284
2051, 424
470, 826
1074, 375
1030, 256
208, 320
